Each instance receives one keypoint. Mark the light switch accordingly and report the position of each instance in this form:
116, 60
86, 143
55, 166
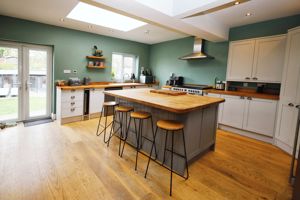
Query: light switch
67, 71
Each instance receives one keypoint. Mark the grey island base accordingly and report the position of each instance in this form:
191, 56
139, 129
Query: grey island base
199, 124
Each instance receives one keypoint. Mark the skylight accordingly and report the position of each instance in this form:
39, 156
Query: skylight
98, 16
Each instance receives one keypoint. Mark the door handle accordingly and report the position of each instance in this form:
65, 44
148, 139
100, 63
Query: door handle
291, 104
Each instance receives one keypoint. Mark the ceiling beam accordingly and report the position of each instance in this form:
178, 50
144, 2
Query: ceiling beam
141, 12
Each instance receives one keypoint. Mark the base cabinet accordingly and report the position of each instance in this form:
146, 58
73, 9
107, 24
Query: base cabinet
233, 111
260, 116
247, 113
96, 100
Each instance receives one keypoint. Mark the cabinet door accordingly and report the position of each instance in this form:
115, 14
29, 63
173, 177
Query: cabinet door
233, 111
220, 105
269, 59
291, 73
240, 60
260, 116
286, 124
96, 100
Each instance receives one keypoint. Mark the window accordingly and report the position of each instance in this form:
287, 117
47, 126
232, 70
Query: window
123, 65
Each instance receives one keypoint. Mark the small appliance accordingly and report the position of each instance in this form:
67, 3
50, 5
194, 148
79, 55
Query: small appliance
86, 80
191, 89
146, 79
175, 80
219, 85
74, 81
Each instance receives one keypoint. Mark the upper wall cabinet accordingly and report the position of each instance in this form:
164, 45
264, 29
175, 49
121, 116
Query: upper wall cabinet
256, 60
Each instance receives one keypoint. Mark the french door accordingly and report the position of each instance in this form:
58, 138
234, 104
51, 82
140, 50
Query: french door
25, 81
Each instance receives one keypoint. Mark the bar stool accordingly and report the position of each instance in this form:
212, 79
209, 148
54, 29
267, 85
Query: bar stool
139, 116
172, 127
105, 108
122, 112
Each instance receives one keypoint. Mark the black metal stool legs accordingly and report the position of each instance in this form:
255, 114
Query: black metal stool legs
172, 153
185, 156
153, 145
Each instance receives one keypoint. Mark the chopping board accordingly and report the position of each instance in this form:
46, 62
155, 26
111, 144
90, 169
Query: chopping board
168, 92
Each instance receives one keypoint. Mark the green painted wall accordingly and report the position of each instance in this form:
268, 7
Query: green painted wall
71, 47
267, 28
164, 60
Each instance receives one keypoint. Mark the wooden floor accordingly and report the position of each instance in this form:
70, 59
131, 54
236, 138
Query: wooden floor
50, 161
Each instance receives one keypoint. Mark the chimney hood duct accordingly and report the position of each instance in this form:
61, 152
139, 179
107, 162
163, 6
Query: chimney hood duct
197, 51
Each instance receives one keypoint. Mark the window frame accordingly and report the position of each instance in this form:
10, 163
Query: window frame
135, 64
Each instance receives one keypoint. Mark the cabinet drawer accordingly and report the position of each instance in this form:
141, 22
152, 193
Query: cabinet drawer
75, 95
72, 111
72, 104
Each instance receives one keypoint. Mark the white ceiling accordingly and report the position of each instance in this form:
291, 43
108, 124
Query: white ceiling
161, 26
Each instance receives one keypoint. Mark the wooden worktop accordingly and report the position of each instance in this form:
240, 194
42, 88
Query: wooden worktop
245, 94
102, 85
177, 104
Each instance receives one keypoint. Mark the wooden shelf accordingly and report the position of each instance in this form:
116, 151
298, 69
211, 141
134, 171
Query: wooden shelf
95, 57
96, 67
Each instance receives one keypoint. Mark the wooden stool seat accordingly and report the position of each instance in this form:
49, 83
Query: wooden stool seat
169, 125
140, 115
124, 108
110, 103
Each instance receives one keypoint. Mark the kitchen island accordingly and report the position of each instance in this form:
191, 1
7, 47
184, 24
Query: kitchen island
197, 113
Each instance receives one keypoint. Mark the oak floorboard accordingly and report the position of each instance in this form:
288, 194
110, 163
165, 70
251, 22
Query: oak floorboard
50, 161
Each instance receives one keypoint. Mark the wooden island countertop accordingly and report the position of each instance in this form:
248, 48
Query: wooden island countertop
177, 104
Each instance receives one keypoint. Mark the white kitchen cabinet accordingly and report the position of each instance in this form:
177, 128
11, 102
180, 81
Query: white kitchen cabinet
96, 100
256, 60
250, 114
260, 116
240, 60
220, 110
289, 93
69, 105
233, 111
269, 59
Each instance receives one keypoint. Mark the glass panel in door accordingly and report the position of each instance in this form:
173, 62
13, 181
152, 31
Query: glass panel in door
9, 83
37, 83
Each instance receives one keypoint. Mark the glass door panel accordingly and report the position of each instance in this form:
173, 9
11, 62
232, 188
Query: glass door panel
36, 83
9, 83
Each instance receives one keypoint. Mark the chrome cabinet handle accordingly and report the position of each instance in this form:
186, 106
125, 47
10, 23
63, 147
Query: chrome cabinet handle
291, 104
249, 98
72, 109
247, 78
72, 90
241, 97
72, 97
255, 78
73, 103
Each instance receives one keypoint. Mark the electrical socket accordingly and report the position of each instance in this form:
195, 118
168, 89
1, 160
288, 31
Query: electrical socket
67, 71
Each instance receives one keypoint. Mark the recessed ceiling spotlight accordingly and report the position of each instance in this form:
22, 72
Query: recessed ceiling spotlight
62, 19
236, 3
248, 14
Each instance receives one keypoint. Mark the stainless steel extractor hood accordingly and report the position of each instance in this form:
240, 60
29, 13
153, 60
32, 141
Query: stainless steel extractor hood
197, 51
